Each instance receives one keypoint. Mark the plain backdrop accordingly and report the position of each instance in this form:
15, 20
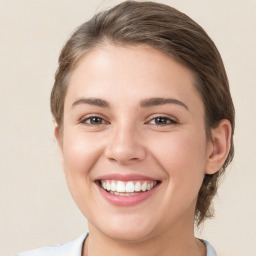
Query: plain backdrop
36, 208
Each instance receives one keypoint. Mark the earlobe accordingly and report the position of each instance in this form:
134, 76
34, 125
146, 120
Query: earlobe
57, 136
220, 146
56, 131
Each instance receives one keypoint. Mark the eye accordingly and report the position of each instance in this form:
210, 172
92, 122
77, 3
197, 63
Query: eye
162, 121
93, 120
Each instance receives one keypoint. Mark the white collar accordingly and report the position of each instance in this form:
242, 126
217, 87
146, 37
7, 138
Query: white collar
74, 248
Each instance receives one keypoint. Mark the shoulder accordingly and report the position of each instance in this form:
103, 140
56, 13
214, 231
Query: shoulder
73, 248
209, 248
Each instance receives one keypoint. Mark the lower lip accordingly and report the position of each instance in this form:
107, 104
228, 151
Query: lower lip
126, 200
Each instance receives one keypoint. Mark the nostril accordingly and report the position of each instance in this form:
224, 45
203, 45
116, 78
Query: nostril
134, 159
124, 161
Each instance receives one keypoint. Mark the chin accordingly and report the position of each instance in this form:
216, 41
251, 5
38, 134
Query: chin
128, 235
126, 229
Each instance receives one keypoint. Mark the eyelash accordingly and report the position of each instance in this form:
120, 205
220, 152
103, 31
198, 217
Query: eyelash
83, 121
168, 121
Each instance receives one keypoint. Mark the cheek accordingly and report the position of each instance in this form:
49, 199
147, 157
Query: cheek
182, 156
80, 152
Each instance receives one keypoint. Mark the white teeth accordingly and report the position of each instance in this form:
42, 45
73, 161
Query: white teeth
129, 187
144, 186
137, 187
123, 194
108, 186
120, 186
150, 185
113, 186
117, 187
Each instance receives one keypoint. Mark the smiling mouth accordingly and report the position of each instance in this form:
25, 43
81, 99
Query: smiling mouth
127, 188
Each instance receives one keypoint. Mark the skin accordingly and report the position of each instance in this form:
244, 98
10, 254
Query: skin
127, 139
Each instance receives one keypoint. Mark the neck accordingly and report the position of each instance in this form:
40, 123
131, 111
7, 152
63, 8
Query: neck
181, 243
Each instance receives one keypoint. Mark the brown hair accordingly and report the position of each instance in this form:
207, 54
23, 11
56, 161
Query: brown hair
172, 32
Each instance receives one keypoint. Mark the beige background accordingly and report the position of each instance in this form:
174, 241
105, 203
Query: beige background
36, 208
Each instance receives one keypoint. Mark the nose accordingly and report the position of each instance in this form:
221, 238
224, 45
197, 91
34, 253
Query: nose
125, 147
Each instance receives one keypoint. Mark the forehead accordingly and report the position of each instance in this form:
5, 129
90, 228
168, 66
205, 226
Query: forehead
130, 73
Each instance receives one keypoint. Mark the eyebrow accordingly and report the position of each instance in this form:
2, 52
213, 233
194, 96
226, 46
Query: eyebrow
162, 101
143, 103
91, 101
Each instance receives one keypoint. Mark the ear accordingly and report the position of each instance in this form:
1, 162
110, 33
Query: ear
219, 146
58, 136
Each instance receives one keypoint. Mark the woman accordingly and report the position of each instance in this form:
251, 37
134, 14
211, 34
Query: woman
145, 123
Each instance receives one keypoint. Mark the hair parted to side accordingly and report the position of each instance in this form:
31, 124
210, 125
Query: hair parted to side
174, 33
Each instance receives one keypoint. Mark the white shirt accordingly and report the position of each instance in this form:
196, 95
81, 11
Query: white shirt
74, 248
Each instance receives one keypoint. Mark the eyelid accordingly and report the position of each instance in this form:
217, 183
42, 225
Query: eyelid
86, 117
172, 119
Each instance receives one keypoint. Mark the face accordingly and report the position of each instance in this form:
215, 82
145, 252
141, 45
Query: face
133, 143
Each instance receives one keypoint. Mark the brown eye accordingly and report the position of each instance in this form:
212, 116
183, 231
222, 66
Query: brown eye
161, 121
94, 120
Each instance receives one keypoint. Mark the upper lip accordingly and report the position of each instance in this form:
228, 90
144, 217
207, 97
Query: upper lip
125, 177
